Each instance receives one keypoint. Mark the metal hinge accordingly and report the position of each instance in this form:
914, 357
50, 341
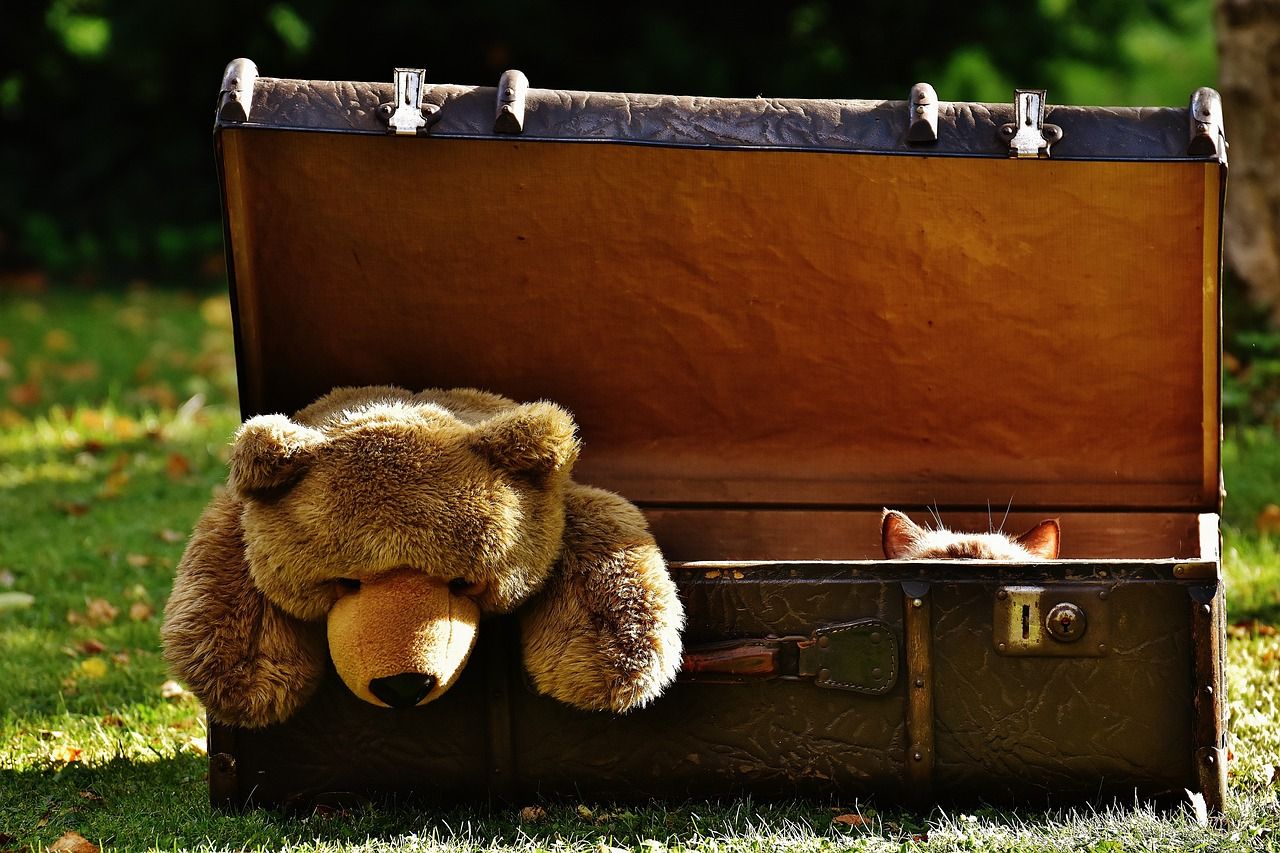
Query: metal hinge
407, 115
1029, 135
861, 657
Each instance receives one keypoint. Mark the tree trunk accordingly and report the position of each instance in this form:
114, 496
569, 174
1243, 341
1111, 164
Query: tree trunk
1249, 80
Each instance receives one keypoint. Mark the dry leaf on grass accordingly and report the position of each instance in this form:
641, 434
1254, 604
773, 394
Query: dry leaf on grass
91, 796
138, 561
113, 721
99, 611
140, 611
92, 647
177, 467
170, 536
533, 814
849, 819
74, 509
584, 812
73, 842
65, 754
198, 745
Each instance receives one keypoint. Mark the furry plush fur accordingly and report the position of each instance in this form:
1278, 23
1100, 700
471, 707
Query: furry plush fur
903, 539
394, 521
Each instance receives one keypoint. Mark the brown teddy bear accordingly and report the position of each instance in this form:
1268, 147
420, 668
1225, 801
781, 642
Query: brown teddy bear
392, 522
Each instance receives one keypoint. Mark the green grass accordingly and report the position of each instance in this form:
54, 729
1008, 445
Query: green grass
114, 415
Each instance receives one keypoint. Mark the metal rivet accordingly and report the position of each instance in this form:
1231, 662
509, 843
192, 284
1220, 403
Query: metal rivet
919, 682
1102, 595
1179, 570
875, 636
1207, 609
1208, 690
824, 674
1102, 573
1002, 647
915, 602
876, 672
917, 756
823, 642
1102, 647
1209, 759
1002, 594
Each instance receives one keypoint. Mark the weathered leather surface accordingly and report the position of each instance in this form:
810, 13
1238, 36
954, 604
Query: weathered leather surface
1028, 730
1118, 133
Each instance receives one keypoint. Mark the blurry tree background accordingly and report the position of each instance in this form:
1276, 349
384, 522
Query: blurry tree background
106, 106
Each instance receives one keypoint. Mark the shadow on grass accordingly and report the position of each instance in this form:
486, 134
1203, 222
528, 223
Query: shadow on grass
130, 804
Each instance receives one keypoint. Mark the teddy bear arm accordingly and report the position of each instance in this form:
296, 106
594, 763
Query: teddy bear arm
604, 634
250, 663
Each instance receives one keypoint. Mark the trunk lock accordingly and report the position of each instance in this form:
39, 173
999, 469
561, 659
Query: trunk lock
1065, 621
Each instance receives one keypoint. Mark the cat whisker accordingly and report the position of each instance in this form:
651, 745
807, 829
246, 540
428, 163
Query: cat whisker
1006, 512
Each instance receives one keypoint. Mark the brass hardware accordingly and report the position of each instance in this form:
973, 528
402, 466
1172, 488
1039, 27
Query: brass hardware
1047, 621
1195, 571
922, 115
509, 117
1028, 135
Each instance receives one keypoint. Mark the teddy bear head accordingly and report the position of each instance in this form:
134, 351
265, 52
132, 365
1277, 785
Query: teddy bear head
400, 520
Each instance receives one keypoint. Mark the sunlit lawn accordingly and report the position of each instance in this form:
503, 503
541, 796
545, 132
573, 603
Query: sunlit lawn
114, 416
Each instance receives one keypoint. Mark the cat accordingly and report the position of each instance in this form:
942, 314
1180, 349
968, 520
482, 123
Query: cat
903, 539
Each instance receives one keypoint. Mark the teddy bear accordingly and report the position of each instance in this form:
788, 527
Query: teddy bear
376, 527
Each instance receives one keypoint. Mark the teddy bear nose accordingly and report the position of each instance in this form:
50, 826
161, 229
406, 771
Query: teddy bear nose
404, 690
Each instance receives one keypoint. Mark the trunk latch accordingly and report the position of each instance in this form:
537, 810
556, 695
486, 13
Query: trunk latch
1052, 621
1029, 135
861, 657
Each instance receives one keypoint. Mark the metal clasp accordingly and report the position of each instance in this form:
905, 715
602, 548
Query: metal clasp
407, 115
1029, 135
1058, 620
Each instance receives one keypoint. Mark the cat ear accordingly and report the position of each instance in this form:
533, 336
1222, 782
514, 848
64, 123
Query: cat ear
898, 534
1042, 540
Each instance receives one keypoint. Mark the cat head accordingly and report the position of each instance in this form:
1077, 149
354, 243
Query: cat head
903, 539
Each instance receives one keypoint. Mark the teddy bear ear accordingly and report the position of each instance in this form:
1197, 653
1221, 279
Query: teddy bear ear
536, 439
270, 453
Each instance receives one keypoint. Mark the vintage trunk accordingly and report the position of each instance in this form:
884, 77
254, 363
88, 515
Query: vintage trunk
771, 319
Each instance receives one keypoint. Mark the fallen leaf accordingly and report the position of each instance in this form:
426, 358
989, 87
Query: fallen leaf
99, 611
124, 428
1252, 627
1198, 807
173, 690
73, 842
65, 754
15, 601
72, 508
198, 745
140, 611
91, 796
121, 658
138, 561
26, 394
114, 484
93, 447
57, 340
79, 371
1268, 521
93, 667
712, 575
583, 812
6, 839
533, 815
849, 819
170, 536
177, 466
44, 819
114, 721
92, 647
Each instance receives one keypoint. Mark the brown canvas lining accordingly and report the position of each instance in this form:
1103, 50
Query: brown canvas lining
766, 327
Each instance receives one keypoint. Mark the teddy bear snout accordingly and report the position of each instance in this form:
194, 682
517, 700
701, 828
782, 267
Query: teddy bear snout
404, 690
